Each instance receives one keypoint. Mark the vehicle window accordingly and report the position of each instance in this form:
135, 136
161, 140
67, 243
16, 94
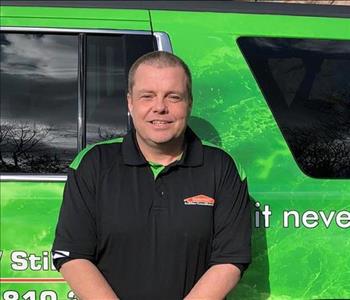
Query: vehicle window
306, 84
109, 58
38, 107
39, 104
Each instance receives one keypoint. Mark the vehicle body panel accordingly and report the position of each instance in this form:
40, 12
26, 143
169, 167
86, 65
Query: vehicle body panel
288, 263
75, 18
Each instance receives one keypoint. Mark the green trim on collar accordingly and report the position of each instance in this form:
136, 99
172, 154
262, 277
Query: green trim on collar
156, 168
77, 160
239, 167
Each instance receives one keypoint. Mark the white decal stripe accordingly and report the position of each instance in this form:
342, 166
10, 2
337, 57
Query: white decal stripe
59, 254
66, 253
55, 256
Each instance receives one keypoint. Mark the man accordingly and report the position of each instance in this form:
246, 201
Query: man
158, 215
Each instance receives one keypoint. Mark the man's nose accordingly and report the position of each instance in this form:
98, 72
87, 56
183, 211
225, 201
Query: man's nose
160, 105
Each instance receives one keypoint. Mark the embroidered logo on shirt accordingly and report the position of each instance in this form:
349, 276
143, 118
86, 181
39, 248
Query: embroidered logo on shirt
199, 200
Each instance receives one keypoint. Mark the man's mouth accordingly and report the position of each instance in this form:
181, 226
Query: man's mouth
160, 122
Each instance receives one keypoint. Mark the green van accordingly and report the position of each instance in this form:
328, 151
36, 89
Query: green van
271, 86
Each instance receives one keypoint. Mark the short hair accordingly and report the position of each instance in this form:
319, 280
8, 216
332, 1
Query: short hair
161, 59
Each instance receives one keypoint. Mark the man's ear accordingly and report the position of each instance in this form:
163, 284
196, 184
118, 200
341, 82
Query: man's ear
130, 106
190, 107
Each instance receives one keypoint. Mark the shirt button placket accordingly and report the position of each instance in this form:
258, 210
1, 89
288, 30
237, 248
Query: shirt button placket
161, 192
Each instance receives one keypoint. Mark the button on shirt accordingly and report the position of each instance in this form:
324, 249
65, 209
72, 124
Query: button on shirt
153, 233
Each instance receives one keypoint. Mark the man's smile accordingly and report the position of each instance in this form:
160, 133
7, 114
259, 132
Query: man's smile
160, 123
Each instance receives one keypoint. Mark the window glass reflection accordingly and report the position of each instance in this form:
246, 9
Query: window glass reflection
38, 87
109, 58
106, 110
306, 84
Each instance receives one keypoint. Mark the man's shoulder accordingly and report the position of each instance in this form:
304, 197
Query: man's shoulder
104, 153
214, 151
217, 155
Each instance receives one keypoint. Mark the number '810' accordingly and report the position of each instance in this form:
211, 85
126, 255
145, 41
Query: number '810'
30, 295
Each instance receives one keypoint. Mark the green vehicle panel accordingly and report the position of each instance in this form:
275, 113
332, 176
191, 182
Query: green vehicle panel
75, 18
288, 263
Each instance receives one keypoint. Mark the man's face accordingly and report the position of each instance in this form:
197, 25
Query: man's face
159, 104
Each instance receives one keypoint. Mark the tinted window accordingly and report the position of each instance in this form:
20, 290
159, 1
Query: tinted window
38, 87
109, 58
40, 95
306, 84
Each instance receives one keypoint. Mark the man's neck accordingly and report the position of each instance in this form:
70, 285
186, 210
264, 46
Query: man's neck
163, 154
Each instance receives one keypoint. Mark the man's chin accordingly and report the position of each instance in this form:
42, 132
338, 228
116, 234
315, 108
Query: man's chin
163, 141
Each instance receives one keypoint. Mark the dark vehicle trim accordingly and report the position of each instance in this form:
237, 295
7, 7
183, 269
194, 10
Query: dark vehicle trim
294, 9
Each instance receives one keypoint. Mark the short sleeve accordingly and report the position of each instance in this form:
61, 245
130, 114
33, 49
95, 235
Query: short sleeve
76, 228
232, 218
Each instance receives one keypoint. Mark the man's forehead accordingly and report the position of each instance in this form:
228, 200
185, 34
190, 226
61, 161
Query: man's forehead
147, 72
157, 66
150, 90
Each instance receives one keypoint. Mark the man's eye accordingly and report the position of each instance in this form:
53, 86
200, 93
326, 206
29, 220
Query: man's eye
146, 96
174, 98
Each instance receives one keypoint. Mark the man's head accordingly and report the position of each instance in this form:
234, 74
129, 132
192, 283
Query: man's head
159, 98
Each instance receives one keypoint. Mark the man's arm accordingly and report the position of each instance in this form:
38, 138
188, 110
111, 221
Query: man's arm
216, 283
74, 248
86, 280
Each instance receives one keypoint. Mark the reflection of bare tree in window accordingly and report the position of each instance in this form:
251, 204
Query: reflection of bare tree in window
106, 134
4, 131
23, 149
327, 156
23, 139
323, 147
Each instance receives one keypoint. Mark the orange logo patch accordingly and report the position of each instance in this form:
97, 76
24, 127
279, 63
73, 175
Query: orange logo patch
199, 200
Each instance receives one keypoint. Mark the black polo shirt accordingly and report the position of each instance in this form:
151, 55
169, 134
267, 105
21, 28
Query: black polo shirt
153, 237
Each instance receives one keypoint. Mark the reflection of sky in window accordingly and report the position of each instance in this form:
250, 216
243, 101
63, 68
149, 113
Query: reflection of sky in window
39, 78
62, 137
50, 56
